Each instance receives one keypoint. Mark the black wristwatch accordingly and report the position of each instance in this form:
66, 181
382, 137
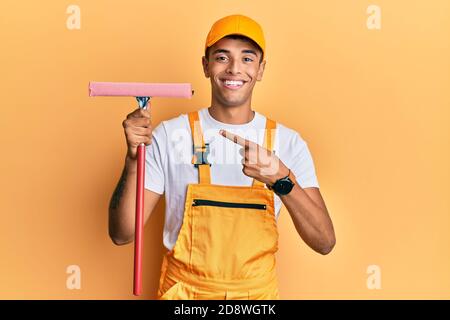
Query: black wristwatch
284, 185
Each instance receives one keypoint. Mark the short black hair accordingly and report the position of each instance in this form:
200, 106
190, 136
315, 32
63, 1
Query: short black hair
239, 37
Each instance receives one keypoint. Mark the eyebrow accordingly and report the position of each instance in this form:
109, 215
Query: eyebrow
228, 51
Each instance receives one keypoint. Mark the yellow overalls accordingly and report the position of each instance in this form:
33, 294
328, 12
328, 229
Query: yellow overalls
227, 243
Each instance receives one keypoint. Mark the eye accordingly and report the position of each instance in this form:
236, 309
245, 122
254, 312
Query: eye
221, 58
249, 59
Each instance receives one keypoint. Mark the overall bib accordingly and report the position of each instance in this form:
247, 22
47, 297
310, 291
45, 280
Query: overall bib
227, 243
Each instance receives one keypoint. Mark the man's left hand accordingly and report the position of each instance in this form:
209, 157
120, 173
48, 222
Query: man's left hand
258, 162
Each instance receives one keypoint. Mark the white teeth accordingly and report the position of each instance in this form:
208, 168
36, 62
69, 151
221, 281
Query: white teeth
233, 83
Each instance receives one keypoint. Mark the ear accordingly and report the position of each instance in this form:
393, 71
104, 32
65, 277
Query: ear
260, 73
205, 64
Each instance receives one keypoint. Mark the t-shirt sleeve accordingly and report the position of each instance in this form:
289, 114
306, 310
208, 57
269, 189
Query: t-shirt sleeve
302, 164
155, 158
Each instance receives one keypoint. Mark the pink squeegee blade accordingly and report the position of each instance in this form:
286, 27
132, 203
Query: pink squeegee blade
140, 89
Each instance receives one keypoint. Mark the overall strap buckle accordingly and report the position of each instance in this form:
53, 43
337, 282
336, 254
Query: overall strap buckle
201, 153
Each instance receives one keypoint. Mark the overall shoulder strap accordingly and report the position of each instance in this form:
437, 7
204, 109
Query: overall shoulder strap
200, 149
269, 138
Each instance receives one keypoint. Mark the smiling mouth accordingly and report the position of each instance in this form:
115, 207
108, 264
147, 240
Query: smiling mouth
233, 84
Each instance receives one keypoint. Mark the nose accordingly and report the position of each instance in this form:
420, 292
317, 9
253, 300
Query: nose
233, 67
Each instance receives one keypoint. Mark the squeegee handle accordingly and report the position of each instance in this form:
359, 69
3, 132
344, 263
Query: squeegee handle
138, 235
144, 103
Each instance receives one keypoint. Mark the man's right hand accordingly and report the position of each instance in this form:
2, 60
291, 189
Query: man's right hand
138, 129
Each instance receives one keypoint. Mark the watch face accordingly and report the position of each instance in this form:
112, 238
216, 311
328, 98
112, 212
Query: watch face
283, 186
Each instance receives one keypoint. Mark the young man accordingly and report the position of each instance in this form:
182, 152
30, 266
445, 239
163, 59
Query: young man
225, 171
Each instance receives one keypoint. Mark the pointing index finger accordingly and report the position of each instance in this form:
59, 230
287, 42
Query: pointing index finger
236, 139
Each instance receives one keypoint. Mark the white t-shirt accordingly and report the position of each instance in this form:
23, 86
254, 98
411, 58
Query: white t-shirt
169, 169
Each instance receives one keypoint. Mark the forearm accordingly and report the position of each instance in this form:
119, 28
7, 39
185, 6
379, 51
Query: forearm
122, 205
311, 221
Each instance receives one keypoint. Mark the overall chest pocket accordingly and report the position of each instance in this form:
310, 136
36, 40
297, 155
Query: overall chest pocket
230, 237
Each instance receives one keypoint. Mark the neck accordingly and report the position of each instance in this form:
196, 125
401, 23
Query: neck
232, 115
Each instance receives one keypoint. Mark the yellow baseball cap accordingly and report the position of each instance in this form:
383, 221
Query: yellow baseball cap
236, 24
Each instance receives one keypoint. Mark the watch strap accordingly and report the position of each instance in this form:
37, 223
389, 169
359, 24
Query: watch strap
291, 177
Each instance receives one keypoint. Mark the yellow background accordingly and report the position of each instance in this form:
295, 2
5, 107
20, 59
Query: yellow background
373, 106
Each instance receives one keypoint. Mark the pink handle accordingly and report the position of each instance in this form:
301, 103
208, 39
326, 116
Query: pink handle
139, 227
